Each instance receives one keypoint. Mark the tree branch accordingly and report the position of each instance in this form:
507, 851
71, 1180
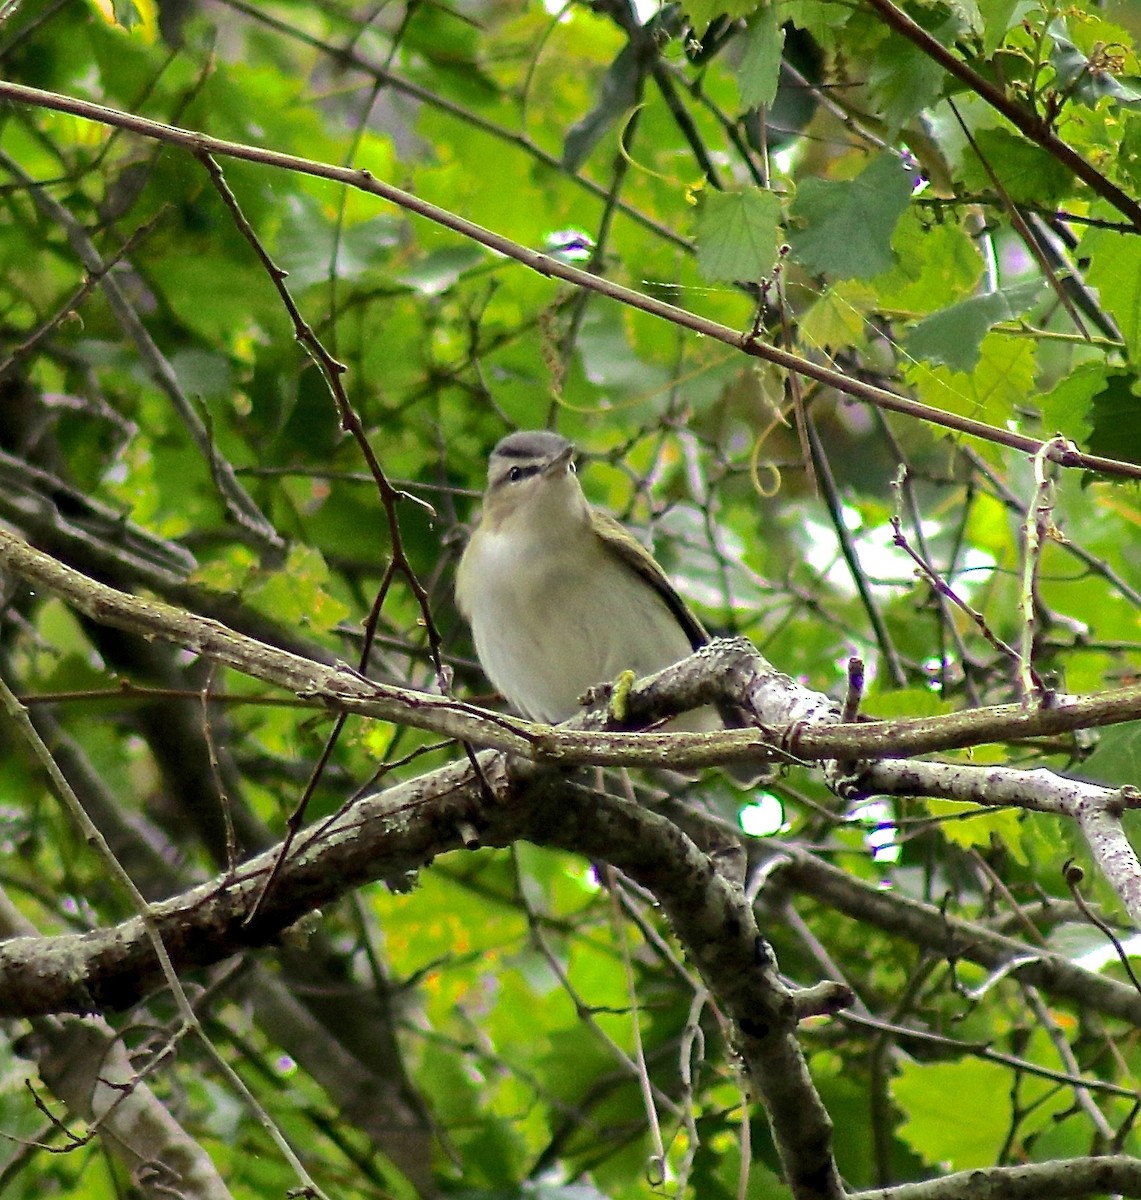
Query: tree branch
1096, 810
201, 143
395, 832
1115, 1174
947, 936
1026, 122
727, 669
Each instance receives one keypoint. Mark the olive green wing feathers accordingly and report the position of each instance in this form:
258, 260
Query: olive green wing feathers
641, 561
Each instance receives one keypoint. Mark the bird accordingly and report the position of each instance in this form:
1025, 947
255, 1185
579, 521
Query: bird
560, 597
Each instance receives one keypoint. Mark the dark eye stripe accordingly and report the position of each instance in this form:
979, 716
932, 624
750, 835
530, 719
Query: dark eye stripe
515, 474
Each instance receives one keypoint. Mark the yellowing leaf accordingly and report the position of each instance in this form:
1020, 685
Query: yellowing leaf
297, 594
943, 1131
1002, 823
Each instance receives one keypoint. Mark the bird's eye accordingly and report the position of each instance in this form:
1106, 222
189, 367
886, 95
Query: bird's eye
515, 474
572, 468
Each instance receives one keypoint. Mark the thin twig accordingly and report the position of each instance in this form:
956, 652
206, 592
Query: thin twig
1019, 223
943, 588
198, 143
831, 495
1036, 529
1026, 121
239, 504
94, 838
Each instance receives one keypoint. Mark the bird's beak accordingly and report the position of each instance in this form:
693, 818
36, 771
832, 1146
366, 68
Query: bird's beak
559, 462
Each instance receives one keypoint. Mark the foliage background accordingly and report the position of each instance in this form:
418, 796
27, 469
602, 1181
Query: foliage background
164, 431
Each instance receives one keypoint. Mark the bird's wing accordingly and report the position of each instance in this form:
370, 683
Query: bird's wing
640, 560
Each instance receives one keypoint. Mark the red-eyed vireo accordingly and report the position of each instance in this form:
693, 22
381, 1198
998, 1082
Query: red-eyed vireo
559, 596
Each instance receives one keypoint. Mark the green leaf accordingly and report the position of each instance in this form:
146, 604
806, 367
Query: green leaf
313, 249
983, 828
845, 227
298, 594
738, 234
905, 702
905, 80
617, 97
976, 1132
561, 1191
1028, 174
606, 356
1116, 418
1078, 77
127, 13
1129, 156
954, 335
1086, 944
839, 317
218, 314
440, 270
759, 69
935, 265
702, 12
968, 11
996, 16
1065, 406
203, 374
992, 392
1115, 270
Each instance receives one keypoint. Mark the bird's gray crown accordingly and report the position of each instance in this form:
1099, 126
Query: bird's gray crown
530, 444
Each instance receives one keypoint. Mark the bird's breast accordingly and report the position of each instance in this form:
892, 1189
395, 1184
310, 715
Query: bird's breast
552, 617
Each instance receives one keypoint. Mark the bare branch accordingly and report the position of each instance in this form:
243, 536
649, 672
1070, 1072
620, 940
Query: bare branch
1116, 1174
798, 720
1096, 810
946, 936
1025, 121
238, 501
200, 143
